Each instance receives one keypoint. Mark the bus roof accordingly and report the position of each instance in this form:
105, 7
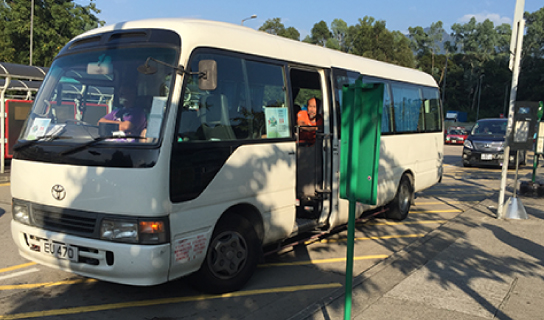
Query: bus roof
202, 33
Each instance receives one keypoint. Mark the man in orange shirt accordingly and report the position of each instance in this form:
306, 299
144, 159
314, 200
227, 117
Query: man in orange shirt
309, 121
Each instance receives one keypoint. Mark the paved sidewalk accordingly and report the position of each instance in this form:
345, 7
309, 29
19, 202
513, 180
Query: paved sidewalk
5, 177
473, 267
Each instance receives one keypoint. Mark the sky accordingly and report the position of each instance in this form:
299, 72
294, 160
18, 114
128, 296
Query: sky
302, 15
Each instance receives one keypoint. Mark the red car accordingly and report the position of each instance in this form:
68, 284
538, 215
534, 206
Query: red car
456, 135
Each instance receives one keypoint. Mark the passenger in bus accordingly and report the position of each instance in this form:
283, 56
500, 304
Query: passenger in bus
310, 121
131, 119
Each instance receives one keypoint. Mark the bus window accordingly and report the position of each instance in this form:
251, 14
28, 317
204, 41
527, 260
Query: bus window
407, 107
433, 120
248, 103
344, 77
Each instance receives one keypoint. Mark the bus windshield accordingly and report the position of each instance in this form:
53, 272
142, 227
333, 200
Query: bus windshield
100, 96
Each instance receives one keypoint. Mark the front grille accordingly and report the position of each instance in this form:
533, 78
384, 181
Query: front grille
77, 223
488, 146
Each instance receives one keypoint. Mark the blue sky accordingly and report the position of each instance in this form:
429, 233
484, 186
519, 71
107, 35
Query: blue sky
398, 14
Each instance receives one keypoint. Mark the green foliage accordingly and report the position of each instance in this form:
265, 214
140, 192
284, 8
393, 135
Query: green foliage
371, 39
55, 23
339, 30
533, 42
276, 27
478, 68
482, 40
273, 26
291, 33
419, 41
320, 33
305, 94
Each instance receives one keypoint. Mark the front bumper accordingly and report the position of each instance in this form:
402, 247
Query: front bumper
123, 263
478, 158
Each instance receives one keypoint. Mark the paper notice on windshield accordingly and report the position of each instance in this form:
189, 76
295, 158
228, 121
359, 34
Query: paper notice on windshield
38, 128
277, 122
155, 117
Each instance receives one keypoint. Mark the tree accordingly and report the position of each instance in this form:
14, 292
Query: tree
419, 40
339, 30
371, 39
276, 27
402, 55
55, 23
273, 26
533, 42
291, 33
320, 33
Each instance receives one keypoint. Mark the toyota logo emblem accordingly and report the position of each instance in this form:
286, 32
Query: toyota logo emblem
58, 192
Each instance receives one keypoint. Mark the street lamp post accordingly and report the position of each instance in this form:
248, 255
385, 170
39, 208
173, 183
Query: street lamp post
248, 18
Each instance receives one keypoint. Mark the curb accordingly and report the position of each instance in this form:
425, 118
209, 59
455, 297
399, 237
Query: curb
445, 235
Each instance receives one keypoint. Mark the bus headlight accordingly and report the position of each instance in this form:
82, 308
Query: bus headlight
119, 230
20, 213
142, 231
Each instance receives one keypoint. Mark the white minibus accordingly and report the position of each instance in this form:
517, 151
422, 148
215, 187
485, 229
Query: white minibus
201, 164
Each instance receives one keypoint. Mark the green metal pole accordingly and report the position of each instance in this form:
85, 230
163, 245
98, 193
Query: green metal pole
349, 261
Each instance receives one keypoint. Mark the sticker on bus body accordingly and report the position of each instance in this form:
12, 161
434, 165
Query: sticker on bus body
188, 249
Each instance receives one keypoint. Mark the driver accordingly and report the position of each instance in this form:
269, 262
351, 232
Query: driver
131, 120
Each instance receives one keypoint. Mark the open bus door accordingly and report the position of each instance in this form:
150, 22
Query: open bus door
313, 145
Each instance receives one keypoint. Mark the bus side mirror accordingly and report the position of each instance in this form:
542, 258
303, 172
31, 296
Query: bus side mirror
207, 75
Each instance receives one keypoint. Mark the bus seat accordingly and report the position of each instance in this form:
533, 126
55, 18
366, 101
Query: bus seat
214, 117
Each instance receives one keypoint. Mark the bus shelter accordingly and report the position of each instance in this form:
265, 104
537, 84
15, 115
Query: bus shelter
17, 82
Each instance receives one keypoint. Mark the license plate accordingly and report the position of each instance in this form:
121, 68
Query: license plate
487, 156
61, 251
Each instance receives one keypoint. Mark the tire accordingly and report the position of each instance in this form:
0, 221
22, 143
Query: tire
232, 257
400, 206
466, 164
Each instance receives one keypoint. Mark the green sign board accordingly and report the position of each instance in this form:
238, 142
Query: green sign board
362, 106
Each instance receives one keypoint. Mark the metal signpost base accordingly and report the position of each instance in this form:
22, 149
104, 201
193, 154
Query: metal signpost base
514, 209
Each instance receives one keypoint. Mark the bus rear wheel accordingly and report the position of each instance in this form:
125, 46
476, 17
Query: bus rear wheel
400, 206
231, 259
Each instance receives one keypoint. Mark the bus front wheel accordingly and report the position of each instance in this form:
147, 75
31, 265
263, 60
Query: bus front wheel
400, 206
231, 259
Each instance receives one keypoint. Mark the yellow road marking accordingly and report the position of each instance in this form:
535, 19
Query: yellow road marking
441, 192
45, 284
398, 236
390, 223
24, 265
319, 261
444, 202
147, 303
4, 184
437, 211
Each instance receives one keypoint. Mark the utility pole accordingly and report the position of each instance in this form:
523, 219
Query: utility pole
444, 85
479, 93
515, 57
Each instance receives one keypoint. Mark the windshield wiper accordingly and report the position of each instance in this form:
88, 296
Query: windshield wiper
88, 144
22, 145
54, 135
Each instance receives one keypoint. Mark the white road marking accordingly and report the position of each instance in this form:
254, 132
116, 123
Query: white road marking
20, 273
